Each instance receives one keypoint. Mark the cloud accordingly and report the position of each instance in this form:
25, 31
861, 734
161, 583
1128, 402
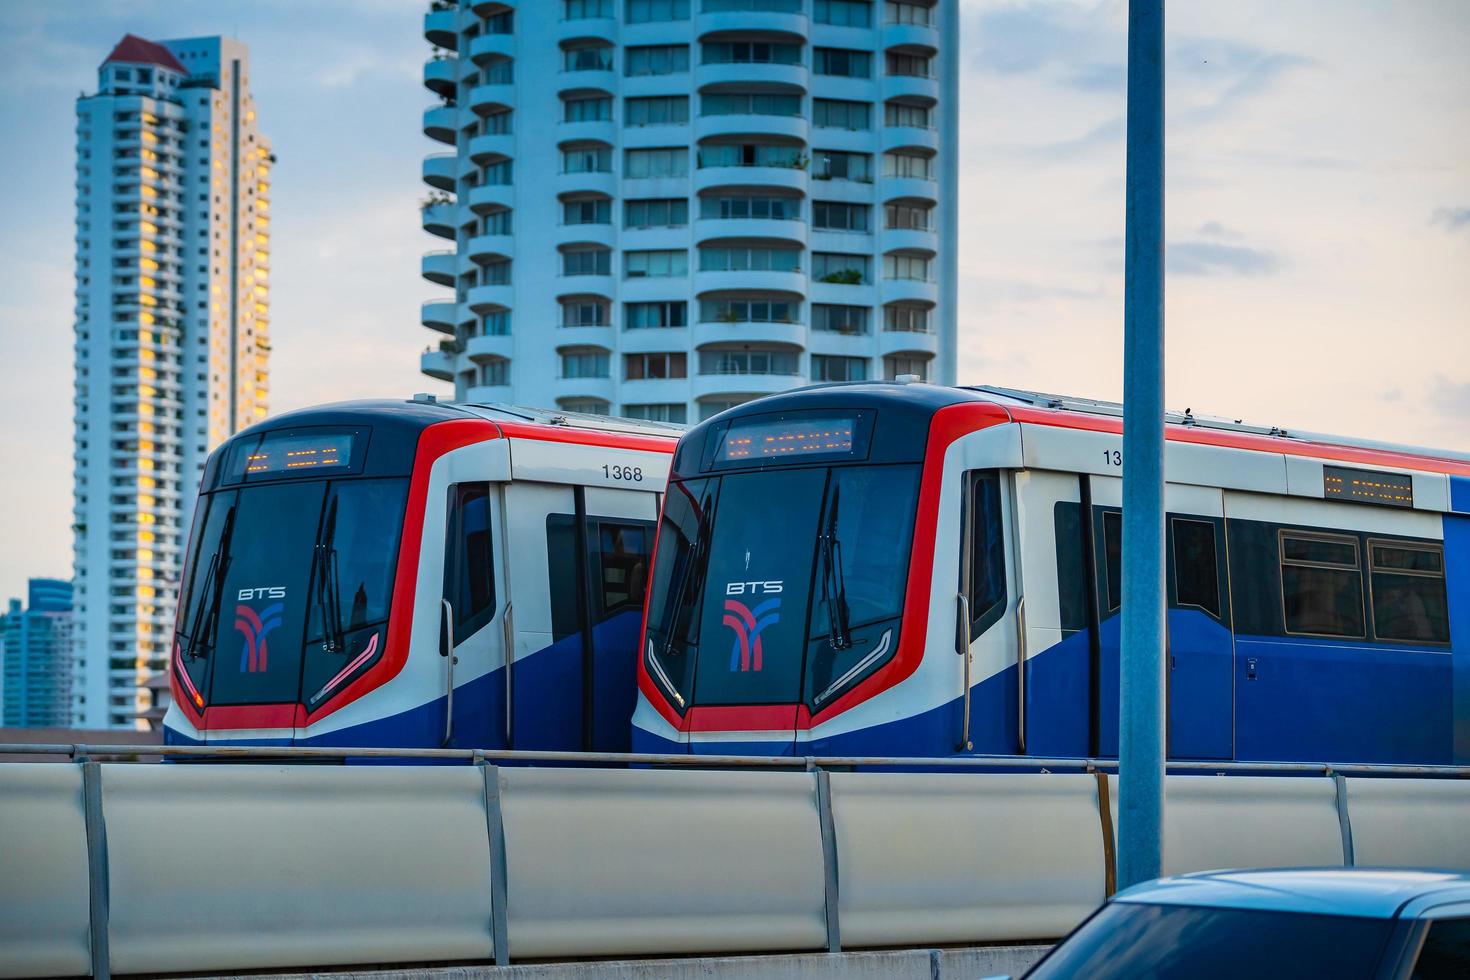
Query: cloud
1031, 36
1105, 133
1100, 77
1215, 259
1213, 229
1450, 397
1214, 76
1452, 219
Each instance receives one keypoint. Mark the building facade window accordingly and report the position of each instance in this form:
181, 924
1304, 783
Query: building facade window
903, 114
586, 262
748, 311
900, 266
656, 213
584, 364
913, 14
588, 108
586, 160
655, 11
585, 9
769, 6
640, 367
843, 13
898, 365
655, 316
587, 57
655, 59
658, 110
662, 162
751, 258
842, 165
842, 114
842, 62
676, 412
913, 65
656, 263
841, 268
585, 312
900, 318
495, 373
749, 361
583, 406
750, 53
590, 211
840, 216
826, 367
750, 206
911, 217
832, 318
750, 155
749, 104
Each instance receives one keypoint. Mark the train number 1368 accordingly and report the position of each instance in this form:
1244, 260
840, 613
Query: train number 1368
630, 474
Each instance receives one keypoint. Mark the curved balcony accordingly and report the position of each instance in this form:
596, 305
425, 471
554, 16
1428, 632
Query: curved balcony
584, 234
908, 240
652, 289
587, 131
739, 124
910, 291
441, 171
906, 137
915, 88
487, 8
585, 182
907, 342
489, 394
567, 286
729, 73
441, 220
601, 388
747, 22
488, 299
861, 294
910, 188
720, 333
441, 123
441, 28
437, 364
605, 80
587, 29
487, 47
579, 337
440, 267
792, 178
750, 281
491, 147
841, 344
656, 391
706, 230
706, 385
441, 75
498, 347
910, 38
487, 247
439, 314
497, 97
491, 197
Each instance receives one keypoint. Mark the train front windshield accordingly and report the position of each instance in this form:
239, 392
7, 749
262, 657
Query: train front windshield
286, 593
781, 584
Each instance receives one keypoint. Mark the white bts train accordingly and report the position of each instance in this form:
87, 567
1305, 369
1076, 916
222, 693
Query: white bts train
357, 575
911, 570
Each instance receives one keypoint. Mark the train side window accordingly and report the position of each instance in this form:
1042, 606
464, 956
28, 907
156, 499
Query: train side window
1408, 588
469, 570
1113, 553
987, 572
1196, 570
1321, 585
619, 555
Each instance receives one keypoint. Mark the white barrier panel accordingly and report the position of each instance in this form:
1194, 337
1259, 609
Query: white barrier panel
226, 867
1214, 822
1422, 823
44, 917
958, 857
630, 862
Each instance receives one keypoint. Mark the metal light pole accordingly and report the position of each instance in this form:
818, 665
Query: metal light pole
1141, 717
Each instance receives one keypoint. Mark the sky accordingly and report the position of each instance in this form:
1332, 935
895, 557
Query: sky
1317, 212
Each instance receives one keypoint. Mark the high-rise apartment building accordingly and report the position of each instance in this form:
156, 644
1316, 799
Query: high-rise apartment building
172, 342
35, 657
662, 208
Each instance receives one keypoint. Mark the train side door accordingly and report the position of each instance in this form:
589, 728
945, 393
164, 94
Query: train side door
1201, 666
476, 602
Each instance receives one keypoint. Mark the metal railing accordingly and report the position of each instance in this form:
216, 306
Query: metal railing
80, 751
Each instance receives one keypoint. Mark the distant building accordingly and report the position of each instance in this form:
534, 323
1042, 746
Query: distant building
36, 643
663, 208
172, 341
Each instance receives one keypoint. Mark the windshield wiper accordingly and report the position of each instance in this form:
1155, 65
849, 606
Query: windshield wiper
834, 584
691, 572
207, 616
328, 587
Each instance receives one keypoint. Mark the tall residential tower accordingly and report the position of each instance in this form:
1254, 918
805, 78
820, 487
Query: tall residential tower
172, 343
662, 208
35, 658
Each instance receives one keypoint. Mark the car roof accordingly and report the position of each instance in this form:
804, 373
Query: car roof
1365, 892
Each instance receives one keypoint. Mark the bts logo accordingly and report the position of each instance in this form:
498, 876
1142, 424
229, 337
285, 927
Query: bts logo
264, 592
748, 624
254, 626
753, 588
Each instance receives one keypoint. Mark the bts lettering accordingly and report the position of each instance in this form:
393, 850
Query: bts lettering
264, 592
753, 588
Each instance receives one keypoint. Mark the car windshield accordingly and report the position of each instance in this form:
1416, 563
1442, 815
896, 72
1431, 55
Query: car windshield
779, 586
1179, 942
